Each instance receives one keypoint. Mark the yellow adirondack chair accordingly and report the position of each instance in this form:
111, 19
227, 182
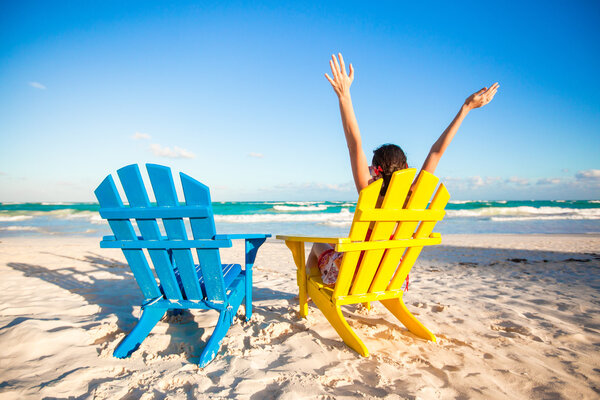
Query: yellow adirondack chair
386, 259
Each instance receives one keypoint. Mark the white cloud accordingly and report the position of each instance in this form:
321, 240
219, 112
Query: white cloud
164, 151
472, 182
37, 85
338, 187
548, 181
588, 175
492, 180
518, 181
175, 152
255, 155
307, 186
476, 181
139, 135
584, 184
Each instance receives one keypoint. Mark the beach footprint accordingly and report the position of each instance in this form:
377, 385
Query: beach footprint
512, 329
438, 308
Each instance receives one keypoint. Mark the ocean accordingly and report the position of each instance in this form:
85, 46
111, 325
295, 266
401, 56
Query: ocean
318, 218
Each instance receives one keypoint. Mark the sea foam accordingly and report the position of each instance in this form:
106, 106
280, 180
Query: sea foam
343, 216
494, 213
320, 207
15, 218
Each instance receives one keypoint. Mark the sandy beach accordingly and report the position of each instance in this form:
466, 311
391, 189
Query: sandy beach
516, 316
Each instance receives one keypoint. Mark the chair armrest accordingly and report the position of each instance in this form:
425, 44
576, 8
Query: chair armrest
253, 242
313, 239
234, 236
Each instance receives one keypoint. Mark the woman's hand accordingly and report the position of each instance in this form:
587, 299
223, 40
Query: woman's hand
341, 80
482, 97
476, 100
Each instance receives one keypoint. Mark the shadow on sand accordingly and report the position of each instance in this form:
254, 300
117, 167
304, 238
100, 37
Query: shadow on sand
118, 294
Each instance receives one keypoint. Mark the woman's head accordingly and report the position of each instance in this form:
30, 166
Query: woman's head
388, 158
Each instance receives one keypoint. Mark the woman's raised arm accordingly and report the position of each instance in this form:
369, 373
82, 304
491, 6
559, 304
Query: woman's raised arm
341, 82
476, 100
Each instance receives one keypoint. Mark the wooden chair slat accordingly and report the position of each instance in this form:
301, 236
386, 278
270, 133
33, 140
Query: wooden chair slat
395, 196
108, 196
197, 194
110, 243
154, 212
394, 215
166, 196
366, 200
439, 202
418, 200
423, 190
132, 182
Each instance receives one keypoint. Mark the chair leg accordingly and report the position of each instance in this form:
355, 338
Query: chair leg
336, 319
302, 296
214, 342
248, 300
398, 308
149, 318
297, 249
252, 246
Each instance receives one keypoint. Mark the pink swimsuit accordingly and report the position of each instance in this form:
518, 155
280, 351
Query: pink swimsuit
329, 265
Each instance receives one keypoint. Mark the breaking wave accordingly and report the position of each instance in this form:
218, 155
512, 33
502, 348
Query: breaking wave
343, 216
300, 208
526, 212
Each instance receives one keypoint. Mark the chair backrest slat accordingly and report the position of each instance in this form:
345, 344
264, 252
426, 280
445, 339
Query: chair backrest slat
197, 194
424, 230
367, 199
137, 196
394, 198
165, 194
108, 196
419, 198
385, 269
423, 189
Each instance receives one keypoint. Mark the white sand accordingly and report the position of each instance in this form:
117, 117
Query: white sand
519, 329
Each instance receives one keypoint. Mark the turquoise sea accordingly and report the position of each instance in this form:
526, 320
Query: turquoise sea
326, 218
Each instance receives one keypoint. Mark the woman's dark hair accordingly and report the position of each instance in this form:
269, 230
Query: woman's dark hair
390, 158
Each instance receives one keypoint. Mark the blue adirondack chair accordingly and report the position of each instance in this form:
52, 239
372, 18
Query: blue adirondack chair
182, 284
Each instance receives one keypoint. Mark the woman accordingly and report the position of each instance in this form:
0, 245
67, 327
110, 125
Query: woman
387, 158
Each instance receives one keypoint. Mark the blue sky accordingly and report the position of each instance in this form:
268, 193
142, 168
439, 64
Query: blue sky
233, 93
